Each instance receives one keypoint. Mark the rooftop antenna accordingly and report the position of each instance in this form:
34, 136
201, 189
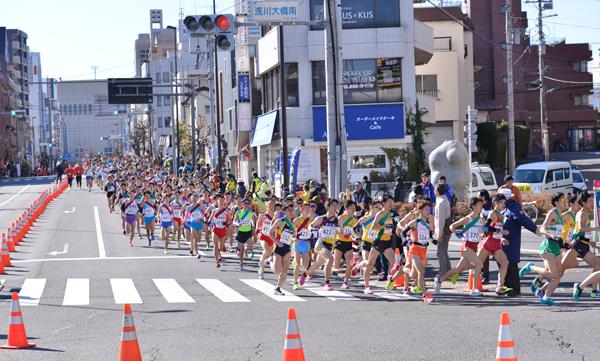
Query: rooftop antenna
95, 69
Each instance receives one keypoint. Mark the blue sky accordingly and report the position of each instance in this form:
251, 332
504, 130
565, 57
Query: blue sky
74, 35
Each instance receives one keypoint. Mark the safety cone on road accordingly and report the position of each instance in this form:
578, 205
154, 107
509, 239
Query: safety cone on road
17, 338
5, 254
470, 283
9, 241
292, 350
506, 345
129, 350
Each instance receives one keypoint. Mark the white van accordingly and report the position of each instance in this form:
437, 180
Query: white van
544, 177
482, 178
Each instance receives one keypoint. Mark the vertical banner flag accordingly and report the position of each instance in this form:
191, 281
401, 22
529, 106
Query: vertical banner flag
596, 185
294, 162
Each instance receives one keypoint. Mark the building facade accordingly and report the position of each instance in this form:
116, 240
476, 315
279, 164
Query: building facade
448, 76
571, 121
89, 124
380, 50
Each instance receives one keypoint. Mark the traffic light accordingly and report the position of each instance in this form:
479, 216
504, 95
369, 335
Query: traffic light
222, 26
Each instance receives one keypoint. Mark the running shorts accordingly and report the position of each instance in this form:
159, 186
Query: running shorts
148, 220
243, 237
492, 245
166, 224
343, 246
283, 249
418, 251
381, 246
550, 246
366, 246
581, 246
196, 226
302, 246
130, 218
468, 245
266, 239
219, 232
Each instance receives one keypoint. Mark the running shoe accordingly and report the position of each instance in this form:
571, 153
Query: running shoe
261, 273
124, 232
294, 263
327, 286
218, 263
309, 277
390, 285
382, 277
302, 279
540, 294
166, 252
278, 292
595, 294
454, 278
548, 301
345, 285
502, 290
296, 286
191, 253
536, 283
367, 291
576, 292
438, 285
177, 244
153, 237
149, 242
416, 290
525, 270
428, 298
475, 293
406, 290
199, 256
241, 268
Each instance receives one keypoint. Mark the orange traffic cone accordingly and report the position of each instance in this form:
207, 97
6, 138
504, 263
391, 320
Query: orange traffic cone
292, 351
17, 338
5, 254
506, 345
129, 350
470, 284
10, 242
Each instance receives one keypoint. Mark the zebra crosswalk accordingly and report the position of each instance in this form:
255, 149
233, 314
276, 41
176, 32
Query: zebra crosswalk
76, 291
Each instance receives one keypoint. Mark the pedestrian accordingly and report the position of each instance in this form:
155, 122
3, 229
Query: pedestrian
255, 183
428, 189
359, 194
509, 188
367, 184
442, 218
449, 192
59, 171
398, 191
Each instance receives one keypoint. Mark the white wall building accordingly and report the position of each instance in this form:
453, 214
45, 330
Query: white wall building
37, 112
89, 124
381, 44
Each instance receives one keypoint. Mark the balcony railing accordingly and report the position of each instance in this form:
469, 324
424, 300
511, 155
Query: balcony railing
432, 93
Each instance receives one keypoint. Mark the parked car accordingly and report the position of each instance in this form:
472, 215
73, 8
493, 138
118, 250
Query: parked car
482, 178
544, 177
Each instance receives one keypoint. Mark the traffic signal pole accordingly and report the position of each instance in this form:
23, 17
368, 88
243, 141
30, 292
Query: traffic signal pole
283, 104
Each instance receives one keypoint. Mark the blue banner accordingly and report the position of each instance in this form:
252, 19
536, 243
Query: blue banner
243, 88
364, 122
294, 162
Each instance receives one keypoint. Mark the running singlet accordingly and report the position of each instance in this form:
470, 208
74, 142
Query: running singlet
567, 234
131, 207
286, 234
177, 206
346, 230
473, 230
149, 210
195, 213
498, 226
220, 219
421, 233
245, 220
580, 234
110, 187
369, 235
166, 215
303, 232
266, 225
386, 226
328, 230
557, 228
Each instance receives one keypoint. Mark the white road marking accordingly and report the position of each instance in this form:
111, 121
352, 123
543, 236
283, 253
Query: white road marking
71, 211
523, 250
267, 289
222, 291
2, 284
391, 295
65, 250
77, 292
124, 291
186, 257
332, 295
31, 291
101, 250
172, 291
15, 196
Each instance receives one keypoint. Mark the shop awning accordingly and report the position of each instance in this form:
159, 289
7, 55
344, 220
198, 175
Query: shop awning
263, 131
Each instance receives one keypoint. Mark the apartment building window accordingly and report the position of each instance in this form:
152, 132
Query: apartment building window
443, 43
271, 90
427, 84
368, 161
291, 81
167, 100
167, 122
363, 81
580, 66
157, 76
166, 76
159, 122
159, 100
581, 100
361, 14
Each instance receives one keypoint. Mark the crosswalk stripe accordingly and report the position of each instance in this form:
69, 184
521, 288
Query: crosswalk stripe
395, 296
172, 291
124, 291
332, 295
267, 289
221, 290
31, 291
77, 292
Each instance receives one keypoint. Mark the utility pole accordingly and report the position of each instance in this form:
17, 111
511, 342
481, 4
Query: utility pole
211, 90
336, 130
283, 105
193, 121
542, 69
510, 90
217, 79
177, 156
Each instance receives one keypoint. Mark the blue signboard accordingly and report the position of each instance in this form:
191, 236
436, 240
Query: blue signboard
263, 131
243, 88
364, 122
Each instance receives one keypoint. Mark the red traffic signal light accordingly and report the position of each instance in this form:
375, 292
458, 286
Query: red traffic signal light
223, 23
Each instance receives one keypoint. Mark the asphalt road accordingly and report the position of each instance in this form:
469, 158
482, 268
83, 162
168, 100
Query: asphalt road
74, 270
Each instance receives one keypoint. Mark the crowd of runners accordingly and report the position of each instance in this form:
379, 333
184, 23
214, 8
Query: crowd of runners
354, 235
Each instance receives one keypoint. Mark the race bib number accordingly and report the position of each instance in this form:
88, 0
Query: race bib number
304, 234
246, 222
372, 235
286, 238
266, 227
474, 235
328, 232
111, 188
177, 212
148, 211
348, 231
388, 228
498, 233
558, 231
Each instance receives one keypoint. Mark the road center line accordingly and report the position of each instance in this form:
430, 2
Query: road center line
101, 250
15, 196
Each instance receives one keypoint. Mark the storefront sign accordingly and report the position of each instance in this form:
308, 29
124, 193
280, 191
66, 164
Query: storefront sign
358, 79
243, 88
364, 122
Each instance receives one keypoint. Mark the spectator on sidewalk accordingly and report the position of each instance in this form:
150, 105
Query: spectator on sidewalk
398, 191
359, 194
428, 189
367, 185
442, 221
